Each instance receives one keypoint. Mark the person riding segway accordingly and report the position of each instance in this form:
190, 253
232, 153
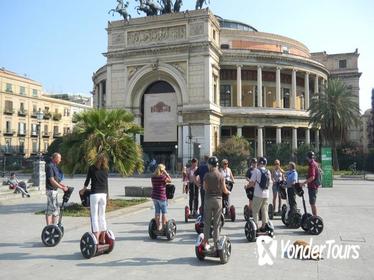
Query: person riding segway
249, 189
227, 209
214, 186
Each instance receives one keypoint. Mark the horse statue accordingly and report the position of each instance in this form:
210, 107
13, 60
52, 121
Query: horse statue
177, 6
122, 10
200, 3
148, 7
166, 6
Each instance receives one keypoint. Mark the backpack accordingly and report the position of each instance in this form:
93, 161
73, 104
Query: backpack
264, 181
318, 179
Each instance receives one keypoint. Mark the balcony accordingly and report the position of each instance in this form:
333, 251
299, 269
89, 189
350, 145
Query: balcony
57, 116
57, 134
8, 111
46, 134
22, 113
33, 114
34, 133
9, 132
21, 133
47, 115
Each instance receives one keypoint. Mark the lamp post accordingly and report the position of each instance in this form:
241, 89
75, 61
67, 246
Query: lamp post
39, 117
39, 165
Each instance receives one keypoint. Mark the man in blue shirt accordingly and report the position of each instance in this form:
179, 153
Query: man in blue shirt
292, 179
199, 178
53, 183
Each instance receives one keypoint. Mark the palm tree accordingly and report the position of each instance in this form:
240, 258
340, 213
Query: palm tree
334, 111
109, 131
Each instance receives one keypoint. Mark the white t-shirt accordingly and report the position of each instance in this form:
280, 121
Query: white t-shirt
226, 173
256, 177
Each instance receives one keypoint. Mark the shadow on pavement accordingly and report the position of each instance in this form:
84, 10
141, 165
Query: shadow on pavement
21, 208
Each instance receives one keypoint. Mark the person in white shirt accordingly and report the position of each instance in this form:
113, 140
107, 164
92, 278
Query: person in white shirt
261, 180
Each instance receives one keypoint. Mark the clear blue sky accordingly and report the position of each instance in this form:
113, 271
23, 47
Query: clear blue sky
60, 43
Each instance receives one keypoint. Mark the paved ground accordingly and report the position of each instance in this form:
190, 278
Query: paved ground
347, 210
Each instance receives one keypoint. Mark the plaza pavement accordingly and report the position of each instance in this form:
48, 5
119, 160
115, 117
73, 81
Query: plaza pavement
347, 210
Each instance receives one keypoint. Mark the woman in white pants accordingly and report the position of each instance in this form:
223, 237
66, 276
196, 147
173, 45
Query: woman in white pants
98, 175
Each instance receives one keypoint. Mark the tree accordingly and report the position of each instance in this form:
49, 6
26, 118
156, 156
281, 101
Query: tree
334, 111
236, 150
103, 131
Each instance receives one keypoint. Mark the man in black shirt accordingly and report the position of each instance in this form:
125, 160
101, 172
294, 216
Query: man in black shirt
53, 183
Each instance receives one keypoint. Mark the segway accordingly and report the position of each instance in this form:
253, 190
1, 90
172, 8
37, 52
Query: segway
221, 250
309, 223
170, 228
247, 211
52, 234
251, 232
89, 245
291, 218
283, 195
227, 209
188, 215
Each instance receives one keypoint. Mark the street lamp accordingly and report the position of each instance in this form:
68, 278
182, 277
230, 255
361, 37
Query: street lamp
39, 117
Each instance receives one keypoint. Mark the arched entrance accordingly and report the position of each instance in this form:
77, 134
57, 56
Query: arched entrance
159, 119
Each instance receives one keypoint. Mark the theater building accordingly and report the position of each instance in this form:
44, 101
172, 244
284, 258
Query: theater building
193, 79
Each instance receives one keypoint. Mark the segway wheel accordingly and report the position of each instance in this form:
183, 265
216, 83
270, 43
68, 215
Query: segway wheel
151, 229
61, 227
232, 213
88, 245
225, 253
51, 235
186, 214
304, 219
284, 208
315, 225
284, 220
246, 212
250, 231
199, 251
109, 239
271, 211
171, 229
295, 220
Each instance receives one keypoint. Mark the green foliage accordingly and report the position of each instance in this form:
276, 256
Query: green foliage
334, 111
282, 152
350, 153
369, 166
109, 131
236, 150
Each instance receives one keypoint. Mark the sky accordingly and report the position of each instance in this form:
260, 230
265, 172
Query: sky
60, 43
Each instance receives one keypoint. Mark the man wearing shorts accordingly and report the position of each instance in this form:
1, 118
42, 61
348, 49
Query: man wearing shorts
53, 183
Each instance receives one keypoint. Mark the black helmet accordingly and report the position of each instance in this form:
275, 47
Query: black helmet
253, 160
213, 161
310, 155
262, 160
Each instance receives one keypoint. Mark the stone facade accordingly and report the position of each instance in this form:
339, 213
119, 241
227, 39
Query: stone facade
228, 79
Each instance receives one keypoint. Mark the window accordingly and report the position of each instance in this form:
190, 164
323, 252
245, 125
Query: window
214, 34
8, 145
34, 147
8, 87
343, 63
55, 130
46, 145
22, 107
22, 90
34, 129
8, 126
21, 146
34, 92
34, 109
8, 106
21, 128
46, 109
45, 132
286, 98
225, 95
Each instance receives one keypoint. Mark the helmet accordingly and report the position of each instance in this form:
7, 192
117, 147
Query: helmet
213, 161
310, 155
262, 160
253, 160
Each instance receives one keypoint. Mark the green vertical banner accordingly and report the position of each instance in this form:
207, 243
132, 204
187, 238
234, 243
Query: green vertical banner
326, 154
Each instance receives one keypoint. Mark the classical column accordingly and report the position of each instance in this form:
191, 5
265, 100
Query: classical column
278, 88
306, 90
316, 89
265, 96
99, 96
307, 136
294, 138
239, 86
317, 140
260, 142
293, 90
239, 131
108, 91
254, 95
180, 137
259, 86
278, 135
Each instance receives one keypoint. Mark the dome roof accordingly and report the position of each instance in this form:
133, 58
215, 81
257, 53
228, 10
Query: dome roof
232, 24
